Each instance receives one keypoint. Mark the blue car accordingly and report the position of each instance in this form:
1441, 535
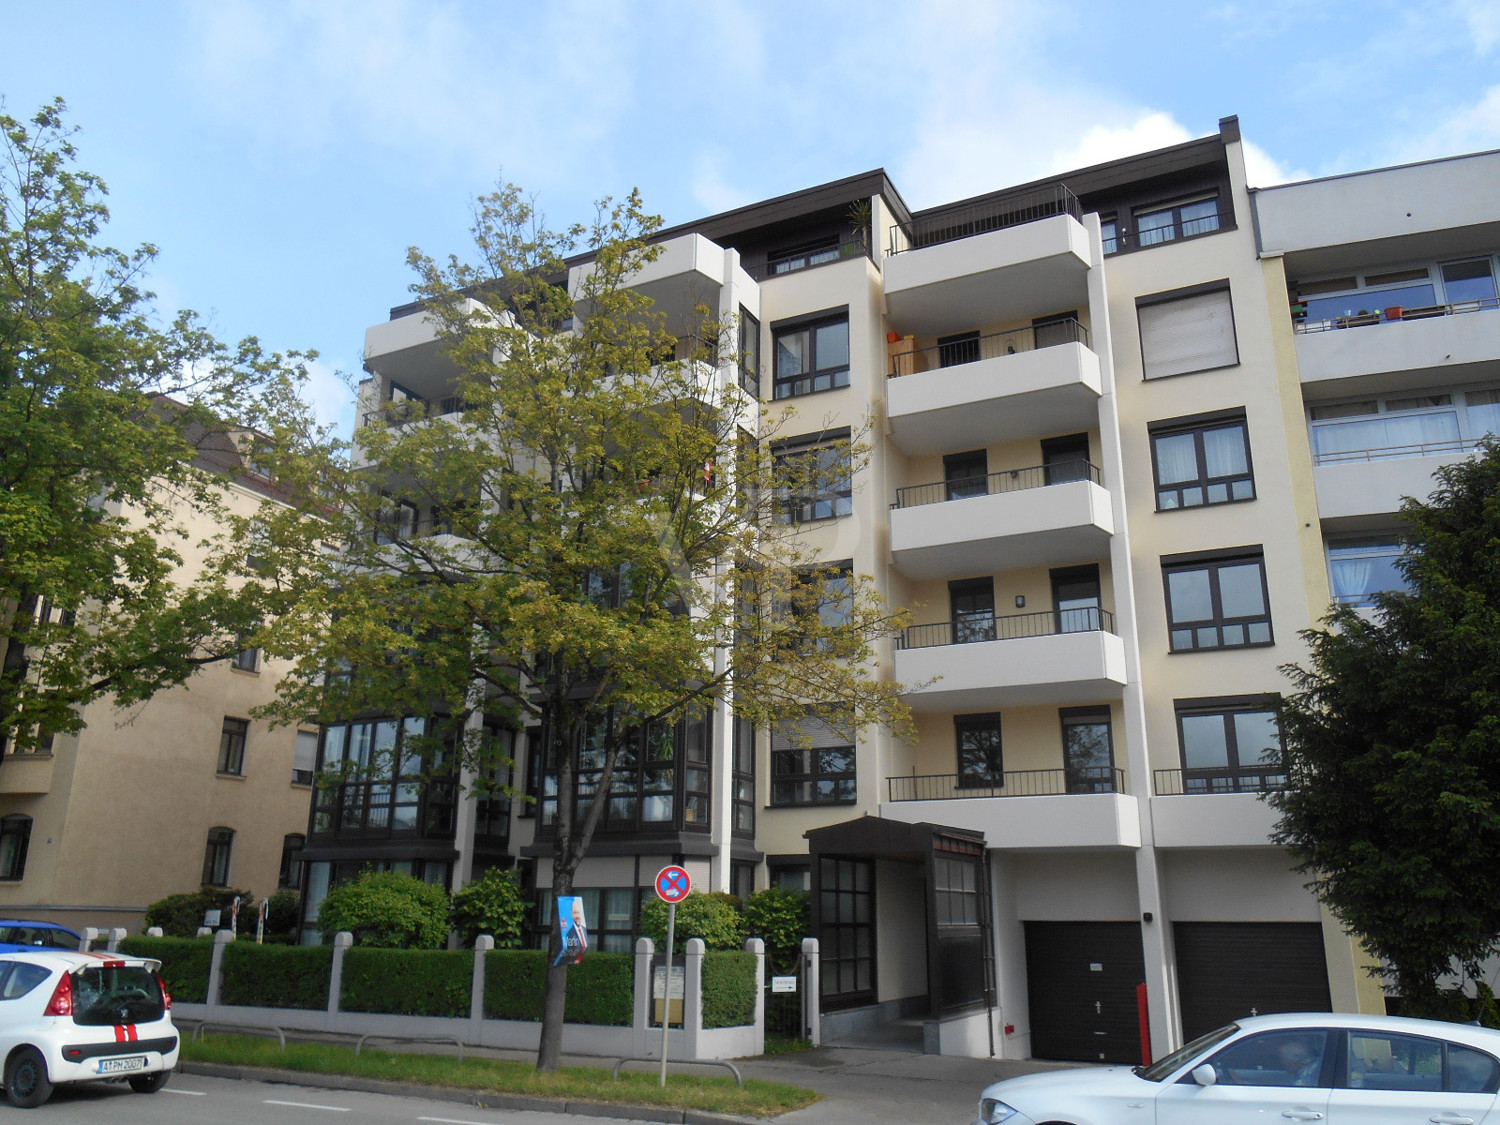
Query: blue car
23, 937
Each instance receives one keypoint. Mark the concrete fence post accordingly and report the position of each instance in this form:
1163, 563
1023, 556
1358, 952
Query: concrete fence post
116, 936
645, 949
482, 945
90, 935
154, 931
692, 998
341, 943
204, 931
758, 947
812, 995
216, 967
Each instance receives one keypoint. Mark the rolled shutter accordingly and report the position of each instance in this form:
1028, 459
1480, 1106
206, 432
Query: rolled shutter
1190, 334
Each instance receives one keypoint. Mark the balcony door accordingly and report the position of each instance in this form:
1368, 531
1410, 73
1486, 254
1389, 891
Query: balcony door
1075, 598
1088, 750
1066, 458
966, 474
1060, 328
972, 603
958, 349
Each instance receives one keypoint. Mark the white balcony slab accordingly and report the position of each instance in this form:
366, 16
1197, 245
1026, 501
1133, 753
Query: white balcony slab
687, 272
1042, 391
988, 675
1077, 820
1355, 489
409, 351
1444, 348
26, 774
1212, 820
1055, 525
1028, 270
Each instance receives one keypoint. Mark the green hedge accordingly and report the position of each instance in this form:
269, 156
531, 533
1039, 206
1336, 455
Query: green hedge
728, 989
276, 976
408, 982
184, 963
601, 987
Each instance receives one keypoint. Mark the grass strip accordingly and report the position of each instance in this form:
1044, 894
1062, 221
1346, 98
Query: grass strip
757, 1098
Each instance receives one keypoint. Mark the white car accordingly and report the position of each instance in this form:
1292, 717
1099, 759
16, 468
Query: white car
81, 1017
1305, 1066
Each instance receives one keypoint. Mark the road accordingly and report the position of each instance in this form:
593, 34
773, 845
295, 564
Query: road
193, 1099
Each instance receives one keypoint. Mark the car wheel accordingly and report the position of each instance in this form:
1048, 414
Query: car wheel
26, 1081
149, 1083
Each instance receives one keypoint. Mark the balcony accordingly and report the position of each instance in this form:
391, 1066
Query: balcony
994, 389
687, 272
1354, 484
1435, 338
1218, 810
409, 350
1028, 255
1053, 515
1054, 808
986, 663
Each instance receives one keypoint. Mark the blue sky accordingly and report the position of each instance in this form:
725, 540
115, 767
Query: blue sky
283, 155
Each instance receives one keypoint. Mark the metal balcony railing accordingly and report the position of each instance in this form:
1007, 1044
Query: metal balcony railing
1172, 783
848, 244
973, 630
1007, 480
415, 410
1393, 452
994, 346
1011, 783
1422, 312
966, 220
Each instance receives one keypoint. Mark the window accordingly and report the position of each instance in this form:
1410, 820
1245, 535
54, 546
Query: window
1193, 332
305, 757
749, 354
956, 890
744, 778
1109, 233
388, 775
1217, 601
290, 873
232, 746
1230, 745
15, 836
1206, 462
814, 478
608, 911
977, 739
971, 601
1088, 749
1402, 425
1360, 567
1327, 302
821, 773
814, 252
1471, 280
1075, 598
846, 921
1181, 219
811, 357
246, 660
1274, 1058
1066, 459
216, 857
966, 474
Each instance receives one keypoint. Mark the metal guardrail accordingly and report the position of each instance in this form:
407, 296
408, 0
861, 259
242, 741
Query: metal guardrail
454, 1039
1420, 312
415, 410
950, 224
1393, 452
1173, 783
1012, 783
238, 1029
992, 484
993, 346
739, 1079
971, 630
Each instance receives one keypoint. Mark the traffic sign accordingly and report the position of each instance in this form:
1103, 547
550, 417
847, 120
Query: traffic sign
673, 884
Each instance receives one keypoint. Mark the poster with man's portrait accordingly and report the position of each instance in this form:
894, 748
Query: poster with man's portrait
575, 932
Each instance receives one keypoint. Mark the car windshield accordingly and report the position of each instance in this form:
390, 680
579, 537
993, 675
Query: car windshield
116, 994
1169, 1064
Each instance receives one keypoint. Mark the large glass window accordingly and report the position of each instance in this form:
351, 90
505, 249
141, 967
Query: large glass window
812, 357
609, 912
744, 778
749, 354
814, 479
977, 739
812, 763
846, 921
1229, 745
1360, 567
1206, 463
1217, 603
385, 776
1471, 280
1088, 749
1179, 219
1274, 1058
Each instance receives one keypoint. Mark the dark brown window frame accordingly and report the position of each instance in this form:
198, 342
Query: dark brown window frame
1212, 562
1198, 425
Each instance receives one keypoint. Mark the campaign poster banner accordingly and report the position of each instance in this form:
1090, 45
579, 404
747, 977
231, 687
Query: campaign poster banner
575, 931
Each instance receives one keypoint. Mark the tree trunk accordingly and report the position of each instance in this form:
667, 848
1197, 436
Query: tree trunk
554, 999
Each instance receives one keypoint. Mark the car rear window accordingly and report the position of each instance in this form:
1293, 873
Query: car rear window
116, 994
18, 978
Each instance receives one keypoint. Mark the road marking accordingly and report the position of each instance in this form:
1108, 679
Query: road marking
455, 1121
310, 1105
189, 1093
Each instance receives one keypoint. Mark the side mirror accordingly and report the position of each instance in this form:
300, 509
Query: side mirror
1205, 1075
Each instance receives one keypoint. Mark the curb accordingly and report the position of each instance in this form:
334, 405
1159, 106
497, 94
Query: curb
477, 1098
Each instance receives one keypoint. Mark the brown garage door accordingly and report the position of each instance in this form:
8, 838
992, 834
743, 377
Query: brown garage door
1226, 970
1081, 979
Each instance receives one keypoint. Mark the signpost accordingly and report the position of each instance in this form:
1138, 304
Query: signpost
672, 886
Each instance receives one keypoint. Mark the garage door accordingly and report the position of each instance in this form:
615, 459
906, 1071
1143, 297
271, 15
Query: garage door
1226, 970
1081, 979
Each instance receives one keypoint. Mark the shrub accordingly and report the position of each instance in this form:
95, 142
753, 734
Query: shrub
728, 989
494, 905
184, 963
601, 987
408, 982
181, 915
699, 915
387, 910
282, 912
276, 976
781, 919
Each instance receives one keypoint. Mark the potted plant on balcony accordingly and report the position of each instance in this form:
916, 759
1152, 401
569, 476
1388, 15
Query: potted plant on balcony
1394, 312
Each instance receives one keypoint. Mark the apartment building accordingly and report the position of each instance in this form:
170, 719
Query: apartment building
186, 789
1122, 444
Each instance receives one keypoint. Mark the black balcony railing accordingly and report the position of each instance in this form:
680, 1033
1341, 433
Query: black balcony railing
960, 352
1172, 783
415, 410
972, 630
848, 244
1012, 783
1007, 480
983, 216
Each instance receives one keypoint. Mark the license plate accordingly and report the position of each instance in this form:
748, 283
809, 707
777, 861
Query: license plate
122, 1066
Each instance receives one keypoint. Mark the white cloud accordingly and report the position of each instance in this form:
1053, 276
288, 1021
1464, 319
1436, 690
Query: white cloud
1482, 17
1471, 128
329, 393
1262, 169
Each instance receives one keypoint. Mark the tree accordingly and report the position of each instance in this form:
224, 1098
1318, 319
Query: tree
119, 435
494, 904
613, 559
387, 910
1393, 797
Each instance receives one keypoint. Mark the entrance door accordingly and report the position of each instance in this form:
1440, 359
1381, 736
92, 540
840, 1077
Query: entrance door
1228, 970
1065, 459
1075, 598
1081, 979
966, 474
972, 602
